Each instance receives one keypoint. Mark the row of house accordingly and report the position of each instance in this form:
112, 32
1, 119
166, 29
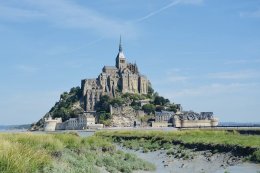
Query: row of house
184, 119
84, 121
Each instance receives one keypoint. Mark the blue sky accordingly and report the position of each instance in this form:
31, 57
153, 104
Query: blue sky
204, 54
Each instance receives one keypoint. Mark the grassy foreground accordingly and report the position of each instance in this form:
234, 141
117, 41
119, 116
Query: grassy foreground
63, 153
154, 140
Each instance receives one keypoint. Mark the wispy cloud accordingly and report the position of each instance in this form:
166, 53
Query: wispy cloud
251, 14
173, 3
239, 75
64, 13
14, 13
69, 14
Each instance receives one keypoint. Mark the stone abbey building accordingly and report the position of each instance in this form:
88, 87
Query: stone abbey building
124, 77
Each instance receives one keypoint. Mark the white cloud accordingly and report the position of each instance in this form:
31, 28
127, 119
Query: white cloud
239, 75
64, 13
173, 3
13, 13
69, 14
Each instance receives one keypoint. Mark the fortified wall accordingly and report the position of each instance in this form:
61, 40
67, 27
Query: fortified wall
51, 124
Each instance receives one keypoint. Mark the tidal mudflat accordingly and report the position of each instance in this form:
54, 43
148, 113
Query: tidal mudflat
192, 151
200, 163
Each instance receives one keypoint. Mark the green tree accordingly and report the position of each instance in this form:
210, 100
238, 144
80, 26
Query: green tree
159, 108
104, 118
172, 108
150, 89
148, 108
103, 104
117, 101
159, 100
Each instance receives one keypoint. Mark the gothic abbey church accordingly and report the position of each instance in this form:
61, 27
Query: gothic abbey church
122, 78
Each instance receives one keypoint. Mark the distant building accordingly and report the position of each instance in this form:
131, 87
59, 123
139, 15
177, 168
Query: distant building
164, 116
192, 119
50, 124
163, 119
86, 120
124, 77
72, 124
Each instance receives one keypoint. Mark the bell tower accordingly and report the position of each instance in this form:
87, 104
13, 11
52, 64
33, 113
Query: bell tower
120, 59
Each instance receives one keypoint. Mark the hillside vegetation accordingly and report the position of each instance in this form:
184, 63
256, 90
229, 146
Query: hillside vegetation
71, 104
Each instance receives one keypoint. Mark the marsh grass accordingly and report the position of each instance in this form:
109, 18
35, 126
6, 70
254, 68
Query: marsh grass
16, 157
154, 140
255, 156
63, 153
189, 136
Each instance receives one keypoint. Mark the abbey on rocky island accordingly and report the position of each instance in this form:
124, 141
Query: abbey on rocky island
124, 77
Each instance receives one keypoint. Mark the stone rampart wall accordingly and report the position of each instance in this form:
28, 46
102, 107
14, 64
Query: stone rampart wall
195, 123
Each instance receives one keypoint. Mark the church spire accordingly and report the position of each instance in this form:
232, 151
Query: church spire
120, 45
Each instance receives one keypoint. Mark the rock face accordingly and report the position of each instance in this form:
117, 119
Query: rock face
124, 116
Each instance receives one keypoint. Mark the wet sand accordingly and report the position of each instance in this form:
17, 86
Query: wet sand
202, 162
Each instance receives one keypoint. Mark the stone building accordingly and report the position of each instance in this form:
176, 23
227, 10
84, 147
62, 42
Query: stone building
193, 119
50, 124
163, 119
124, 77
84, 121
164, 116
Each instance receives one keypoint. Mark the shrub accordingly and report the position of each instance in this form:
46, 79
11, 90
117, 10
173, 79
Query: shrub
256, 156
148, 108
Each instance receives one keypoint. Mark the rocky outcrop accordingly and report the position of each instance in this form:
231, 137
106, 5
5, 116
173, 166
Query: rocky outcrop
124, 116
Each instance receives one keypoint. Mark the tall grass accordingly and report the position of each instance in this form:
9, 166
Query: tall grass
63, 153
16, 157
